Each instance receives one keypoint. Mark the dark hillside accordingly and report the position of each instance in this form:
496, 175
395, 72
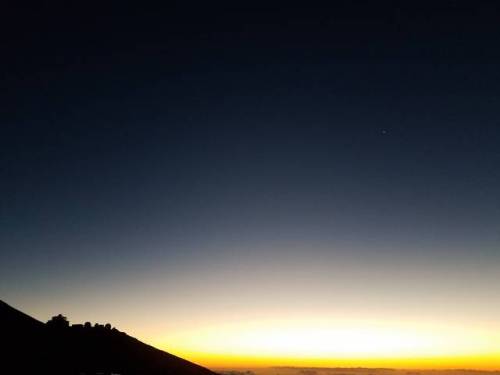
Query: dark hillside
31, 346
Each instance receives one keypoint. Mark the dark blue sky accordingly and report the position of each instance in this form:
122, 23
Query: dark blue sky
183, 140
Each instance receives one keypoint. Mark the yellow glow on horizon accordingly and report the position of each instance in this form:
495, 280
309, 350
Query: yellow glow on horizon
322, 343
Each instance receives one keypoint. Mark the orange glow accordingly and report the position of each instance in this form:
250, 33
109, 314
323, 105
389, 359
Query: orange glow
486, 362
356, 343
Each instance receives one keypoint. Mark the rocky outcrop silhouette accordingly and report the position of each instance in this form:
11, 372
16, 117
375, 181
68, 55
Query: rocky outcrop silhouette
32, 347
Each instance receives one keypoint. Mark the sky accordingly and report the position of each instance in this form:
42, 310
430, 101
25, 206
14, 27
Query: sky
258, 185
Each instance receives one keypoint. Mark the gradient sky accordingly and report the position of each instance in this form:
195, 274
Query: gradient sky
258, 185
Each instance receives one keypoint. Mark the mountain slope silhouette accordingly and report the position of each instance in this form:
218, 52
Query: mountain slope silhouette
30, 346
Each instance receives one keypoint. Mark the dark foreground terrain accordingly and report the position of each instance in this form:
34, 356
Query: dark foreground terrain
32, 347
348, 371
